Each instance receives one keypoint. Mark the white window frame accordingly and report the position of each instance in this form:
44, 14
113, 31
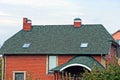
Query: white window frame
14, 72
49, 72
84, 45
26, 45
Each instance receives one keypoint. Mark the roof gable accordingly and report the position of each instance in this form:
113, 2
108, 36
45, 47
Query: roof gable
116, 35
60, 39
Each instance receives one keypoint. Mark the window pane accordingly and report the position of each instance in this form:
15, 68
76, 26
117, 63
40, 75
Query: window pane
19, 76
84, 45
26, 45
52, 62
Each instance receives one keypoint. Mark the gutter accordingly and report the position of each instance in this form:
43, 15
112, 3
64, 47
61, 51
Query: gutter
3, 67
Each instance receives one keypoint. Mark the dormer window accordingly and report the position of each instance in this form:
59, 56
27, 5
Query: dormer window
84, 45
26, 45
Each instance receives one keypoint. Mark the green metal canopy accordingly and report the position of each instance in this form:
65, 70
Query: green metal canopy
86, 62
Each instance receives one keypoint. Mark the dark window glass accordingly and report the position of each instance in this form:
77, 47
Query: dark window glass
19, 76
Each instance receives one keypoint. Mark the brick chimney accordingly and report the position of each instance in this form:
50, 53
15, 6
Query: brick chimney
27, 24
77, 22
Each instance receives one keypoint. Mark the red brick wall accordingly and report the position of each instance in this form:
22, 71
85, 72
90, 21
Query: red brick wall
63, 59
35, 64
111, 57
31, 64
98, 58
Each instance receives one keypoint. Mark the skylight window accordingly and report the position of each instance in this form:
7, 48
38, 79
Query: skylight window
26, 45
83, 45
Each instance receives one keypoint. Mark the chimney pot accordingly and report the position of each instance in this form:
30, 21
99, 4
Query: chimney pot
77, 22
29, 21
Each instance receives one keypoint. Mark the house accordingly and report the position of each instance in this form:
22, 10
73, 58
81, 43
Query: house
116, 36
46, 52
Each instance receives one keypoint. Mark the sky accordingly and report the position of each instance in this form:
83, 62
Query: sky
57, 12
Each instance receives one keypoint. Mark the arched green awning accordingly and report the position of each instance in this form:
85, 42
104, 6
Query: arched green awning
87, 62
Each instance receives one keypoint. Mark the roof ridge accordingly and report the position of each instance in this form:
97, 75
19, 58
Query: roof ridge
63, 24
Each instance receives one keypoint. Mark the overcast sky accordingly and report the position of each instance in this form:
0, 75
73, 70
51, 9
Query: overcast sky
42, 12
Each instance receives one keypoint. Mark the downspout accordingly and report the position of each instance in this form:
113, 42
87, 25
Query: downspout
3, 67
118, 52
54, 76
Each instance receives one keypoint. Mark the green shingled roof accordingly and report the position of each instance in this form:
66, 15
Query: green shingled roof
88, 61
59, 39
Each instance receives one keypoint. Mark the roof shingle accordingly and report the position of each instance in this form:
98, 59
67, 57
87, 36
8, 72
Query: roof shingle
60, 39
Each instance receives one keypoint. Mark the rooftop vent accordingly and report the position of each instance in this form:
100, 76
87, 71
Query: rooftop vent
77, 22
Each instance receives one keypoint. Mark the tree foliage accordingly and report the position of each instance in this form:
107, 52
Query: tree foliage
112, 73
